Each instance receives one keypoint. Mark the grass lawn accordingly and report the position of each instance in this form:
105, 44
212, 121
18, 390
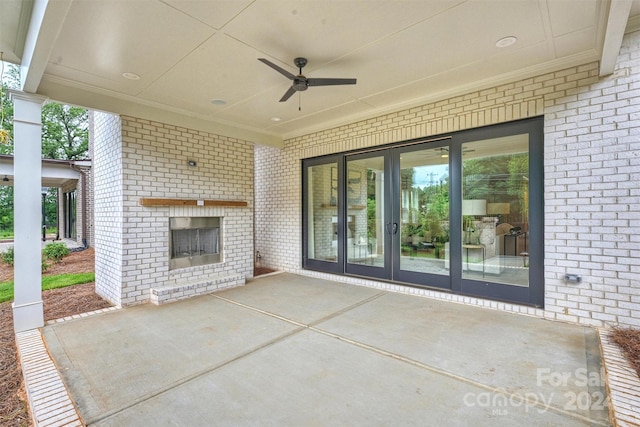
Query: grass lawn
49, 282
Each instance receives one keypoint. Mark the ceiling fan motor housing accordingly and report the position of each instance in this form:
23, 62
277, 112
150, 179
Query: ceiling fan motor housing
300, 83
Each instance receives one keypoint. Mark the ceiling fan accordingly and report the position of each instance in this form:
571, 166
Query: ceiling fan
301, 82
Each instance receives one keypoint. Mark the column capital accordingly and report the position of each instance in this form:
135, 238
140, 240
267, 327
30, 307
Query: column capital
15, 94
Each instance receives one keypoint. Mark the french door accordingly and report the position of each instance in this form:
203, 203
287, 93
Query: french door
461, 213
395, 230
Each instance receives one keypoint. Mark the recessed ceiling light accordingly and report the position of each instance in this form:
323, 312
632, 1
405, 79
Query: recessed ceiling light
275, 119
131, 76
218, 101
506, 41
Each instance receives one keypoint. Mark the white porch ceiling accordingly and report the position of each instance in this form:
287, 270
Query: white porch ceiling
189, 52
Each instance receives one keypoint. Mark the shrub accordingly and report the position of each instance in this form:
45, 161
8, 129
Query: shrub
55, 251
7, 257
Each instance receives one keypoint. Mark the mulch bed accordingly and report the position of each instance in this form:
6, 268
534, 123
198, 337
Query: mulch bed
629, 342
259, 271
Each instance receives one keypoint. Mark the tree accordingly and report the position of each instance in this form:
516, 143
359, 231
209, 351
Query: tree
65, 132
65, 136
10, 79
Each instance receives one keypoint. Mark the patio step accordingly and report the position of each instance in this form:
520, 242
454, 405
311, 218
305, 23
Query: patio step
164, 294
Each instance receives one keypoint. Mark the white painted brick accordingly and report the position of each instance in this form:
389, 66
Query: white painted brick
139, 158
592, 190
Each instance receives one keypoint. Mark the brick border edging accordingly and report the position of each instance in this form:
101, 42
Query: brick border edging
623, 384
50, 404
49, 401
81, 315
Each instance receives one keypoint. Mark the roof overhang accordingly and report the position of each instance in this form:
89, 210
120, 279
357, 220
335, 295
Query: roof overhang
55, 173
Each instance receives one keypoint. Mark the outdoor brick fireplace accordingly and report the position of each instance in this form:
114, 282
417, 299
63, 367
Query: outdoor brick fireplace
174, 211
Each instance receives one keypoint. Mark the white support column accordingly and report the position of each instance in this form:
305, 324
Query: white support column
27, 133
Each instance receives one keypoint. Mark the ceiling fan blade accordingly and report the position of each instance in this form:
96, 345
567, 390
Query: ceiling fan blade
330, 82
278, 68
288, 94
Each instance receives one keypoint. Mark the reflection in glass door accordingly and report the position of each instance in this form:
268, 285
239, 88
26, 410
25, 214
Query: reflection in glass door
322, 213
366, 212
495, 210
423, 198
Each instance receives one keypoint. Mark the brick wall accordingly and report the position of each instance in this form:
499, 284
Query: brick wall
136, 158
84, 189
149, 159
109, 205
592, 182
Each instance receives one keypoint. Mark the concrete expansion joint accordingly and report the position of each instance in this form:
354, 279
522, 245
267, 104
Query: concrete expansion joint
515, 396
192, 377
311, 326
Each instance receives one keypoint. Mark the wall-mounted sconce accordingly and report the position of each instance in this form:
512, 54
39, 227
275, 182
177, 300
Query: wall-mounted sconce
192, 163
5, 179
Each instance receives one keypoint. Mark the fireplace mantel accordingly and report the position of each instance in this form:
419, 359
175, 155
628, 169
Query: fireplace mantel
191, 202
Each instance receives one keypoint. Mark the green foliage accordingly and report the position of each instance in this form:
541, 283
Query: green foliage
65, 132
371, 217
50, 282
6, 210
51, 207
55, 251
7, 257
11, 80
65, 136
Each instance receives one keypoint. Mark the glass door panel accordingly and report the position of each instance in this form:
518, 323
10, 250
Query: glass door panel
495, 210
322, 212
365, 214
424, 211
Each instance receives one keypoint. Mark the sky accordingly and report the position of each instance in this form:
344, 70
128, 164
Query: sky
422, 175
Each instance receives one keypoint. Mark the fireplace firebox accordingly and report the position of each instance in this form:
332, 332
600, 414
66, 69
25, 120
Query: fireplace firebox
194, 241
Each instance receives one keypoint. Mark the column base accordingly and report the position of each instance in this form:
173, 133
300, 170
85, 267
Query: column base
28, 316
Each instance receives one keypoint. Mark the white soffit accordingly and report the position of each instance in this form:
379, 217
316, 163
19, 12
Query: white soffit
404, 52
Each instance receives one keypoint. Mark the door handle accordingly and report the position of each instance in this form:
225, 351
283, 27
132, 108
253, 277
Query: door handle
395, 228
387, 226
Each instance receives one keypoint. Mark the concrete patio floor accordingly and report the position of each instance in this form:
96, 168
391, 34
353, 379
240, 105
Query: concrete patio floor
294, 350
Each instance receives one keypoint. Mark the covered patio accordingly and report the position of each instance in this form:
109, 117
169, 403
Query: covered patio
186, 123
292, 350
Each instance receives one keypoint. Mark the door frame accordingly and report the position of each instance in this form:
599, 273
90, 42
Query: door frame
532, 295
406, 276
336, 267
